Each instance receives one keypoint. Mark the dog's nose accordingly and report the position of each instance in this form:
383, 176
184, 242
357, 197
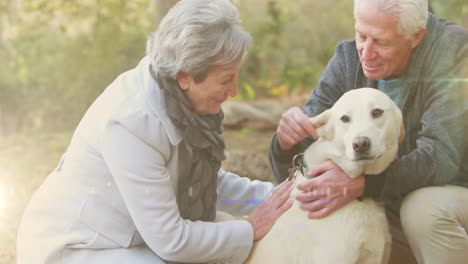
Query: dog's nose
361, 144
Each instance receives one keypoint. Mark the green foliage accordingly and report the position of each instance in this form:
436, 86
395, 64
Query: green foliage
57, 56
62, 58
248, 91
293, 41
454, 10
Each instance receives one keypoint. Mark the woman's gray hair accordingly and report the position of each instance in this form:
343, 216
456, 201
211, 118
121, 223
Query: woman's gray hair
195, 35
412, 14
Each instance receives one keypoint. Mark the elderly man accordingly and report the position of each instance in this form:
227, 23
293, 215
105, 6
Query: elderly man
420, 61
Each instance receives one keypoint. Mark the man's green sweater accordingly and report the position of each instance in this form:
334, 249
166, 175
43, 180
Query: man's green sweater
434, 103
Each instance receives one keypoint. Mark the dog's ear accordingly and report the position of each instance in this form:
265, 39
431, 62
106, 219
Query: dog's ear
321, 124
402, 133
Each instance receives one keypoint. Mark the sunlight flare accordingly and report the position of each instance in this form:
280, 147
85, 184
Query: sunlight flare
2, 199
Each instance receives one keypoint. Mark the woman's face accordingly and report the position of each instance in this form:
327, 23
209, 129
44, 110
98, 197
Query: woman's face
207, 96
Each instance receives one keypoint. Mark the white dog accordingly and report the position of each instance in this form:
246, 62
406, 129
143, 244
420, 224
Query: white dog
360, 133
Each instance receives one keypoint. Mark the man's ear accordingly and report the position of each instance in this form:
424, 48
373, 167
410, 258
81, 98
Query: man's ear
321, 124
402, 134
417, 37
184, 80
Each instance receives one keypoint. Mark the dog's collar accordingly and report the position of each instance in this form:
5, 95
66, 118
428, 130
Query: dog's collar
298, 164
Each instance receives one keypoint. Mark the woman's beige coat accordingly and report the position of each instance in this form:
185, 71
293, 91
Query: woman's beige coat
112, 197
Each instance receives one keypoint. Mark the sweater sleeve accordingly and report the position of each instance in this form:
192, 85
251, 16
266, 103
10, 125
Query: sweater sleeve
329, 89
239, 195
144, 181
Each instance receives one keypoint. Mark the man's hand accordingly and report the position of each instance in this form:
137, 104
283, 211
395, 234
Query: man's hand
331, 190
294, 127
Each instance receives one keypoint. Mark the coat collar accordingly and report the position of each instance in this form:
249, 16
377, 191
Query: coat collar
155, 98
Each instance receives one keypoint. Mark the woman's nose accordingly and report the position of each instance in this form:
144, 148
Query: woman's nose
232, 90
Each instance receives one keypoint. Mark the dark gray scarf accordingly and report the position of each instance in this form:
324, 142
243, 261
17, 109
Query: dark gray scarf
200, 153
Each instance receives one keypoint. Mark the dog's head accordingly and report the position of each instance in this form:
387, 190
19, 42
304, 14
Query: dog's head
366, 125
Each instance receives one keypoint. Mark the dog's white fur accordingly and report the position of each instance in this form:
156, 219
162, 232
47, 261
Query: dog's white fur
358, 232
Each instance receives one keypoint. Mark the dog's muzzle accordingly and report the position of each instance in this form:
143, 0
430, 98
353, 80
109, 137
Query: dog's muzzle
361, 144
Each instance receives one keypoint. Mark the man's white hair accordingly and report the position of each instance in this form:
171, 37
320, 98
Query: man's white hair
412, 14
195, 35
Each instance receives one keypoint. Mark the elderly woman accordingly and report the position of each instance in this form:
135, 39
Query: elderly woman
141, 180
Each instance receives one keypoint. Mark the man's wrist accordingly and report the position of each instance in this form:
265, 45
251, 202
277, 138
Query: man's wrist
362, 180
374, 185
280, 154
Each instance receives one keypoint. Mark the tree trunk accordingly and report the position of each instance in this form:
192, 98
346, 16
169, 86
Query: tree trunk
2, 123
162, 6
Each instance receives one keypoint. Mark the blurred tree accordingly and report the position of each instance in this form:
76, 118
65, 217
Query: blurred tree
8, 96
57, 56
454, 10
293, 41
162, 6
65, 53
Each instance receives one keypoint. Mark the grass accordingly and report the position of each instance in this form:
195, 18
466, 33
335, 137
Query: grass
25, 161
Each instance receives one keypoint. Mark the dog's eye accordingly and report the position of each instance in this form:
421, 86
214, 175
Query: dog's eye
376, 113
345, 119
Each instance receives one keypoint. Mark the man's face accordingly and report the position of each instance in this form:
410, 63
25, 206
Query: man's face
383, 51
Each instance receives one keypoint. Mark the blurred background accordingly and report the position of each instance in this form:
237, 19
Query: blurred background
57, 56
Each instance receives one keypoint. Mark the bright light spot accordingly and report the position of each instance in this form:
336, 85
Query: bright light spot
2, 199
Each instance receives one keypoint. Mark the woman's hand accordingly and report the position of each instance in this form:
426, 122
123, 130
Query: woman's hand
266, 214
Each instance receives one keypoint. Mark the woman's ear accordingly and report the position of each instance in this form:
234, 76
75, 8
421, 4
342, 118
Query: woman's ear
321, 124
184, 80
